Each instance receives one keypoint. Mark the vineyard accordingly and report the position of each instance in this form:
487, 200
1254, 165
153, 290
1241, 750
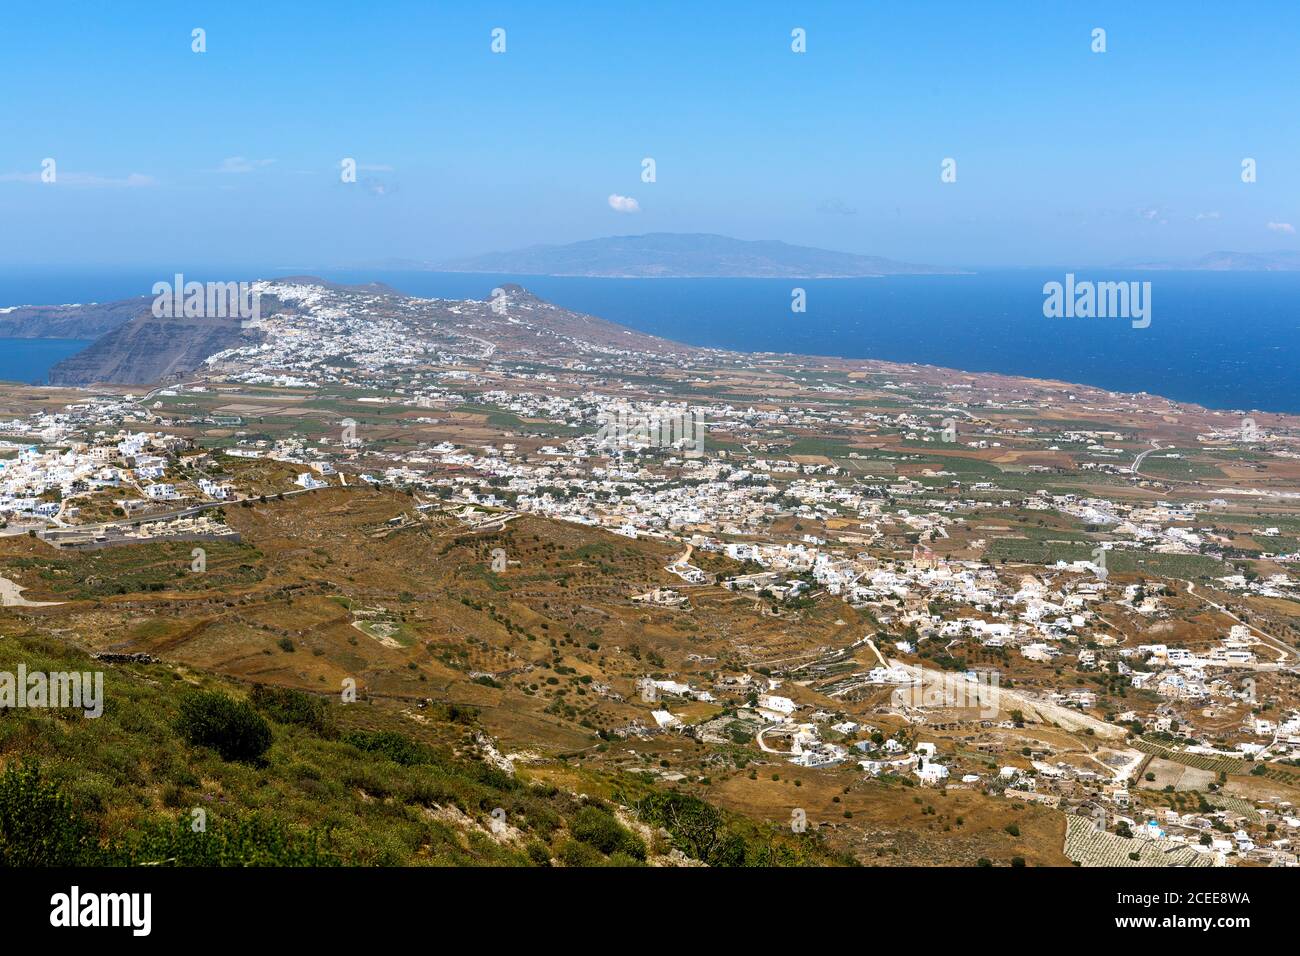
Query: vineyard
1279, 773
1233, 805
1089, 846
1208, 762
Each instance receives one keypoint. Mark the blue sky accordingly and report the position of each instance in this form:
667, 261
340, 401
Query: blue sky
231, 157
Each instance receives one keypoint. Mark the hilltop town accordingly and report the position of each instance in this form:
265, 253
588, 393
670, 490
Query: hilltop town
926, 616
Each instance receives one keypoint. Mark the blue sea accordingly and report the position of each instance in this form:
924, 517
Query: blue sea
1223, 340
29, 360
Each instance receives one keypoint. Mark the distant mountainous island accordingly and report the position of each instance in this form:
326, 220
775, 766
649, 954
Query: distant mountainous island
1283, 261
684, 255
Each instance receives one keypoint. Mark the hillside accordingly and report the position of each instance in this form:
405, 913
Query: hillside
541, 660
411, 773
336, 784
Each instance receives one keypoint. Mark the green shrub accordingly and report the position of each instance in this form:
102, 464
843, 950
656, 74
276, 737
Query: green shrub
388, 743
247, 841
624, 859
696, 827
599, 829
230, 727
538, 853
38, 825
573, 853
287, 706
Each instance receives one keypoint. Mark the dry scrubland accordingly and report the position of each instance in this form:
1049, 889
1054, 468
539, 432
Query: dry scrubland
523, 652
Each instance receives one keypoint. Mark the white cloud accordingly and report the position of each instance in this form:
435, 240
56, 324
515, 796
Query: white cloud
623, 203
238, 164
1282, 227
1201, 216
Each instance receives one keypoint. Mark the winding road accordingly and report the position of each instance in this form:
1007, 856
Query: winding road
1137, 462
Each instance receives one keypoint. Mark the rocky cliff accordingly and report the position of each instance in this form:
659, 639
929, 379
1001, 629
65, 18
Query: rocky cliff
69, 321
149, 351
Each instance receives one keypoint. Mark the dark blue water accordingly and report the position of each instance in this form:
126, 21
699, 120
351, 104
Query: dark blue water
28, 360
1224, 340
47, 286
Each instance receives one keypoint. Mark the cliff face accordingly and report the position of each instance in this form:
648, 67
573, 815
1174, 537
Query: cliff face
149, 351
69, 321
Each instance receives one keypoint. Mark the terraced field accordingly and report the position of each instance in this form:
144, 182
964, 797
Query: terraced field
1086, 845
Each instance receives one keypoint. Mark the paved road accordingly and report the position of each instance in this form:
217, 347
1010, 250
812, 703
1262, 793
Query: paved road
1137, 462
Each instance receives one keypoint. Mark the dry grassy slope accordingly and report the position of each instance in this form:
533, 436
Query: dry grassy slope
895, 825
558, 615
323, 560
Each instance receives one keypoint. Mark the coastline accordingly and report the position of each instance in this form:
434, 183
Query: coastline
983, 323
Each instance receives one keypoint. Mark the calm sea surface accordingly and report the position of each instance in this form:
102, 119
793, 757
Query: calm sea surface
28, 360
